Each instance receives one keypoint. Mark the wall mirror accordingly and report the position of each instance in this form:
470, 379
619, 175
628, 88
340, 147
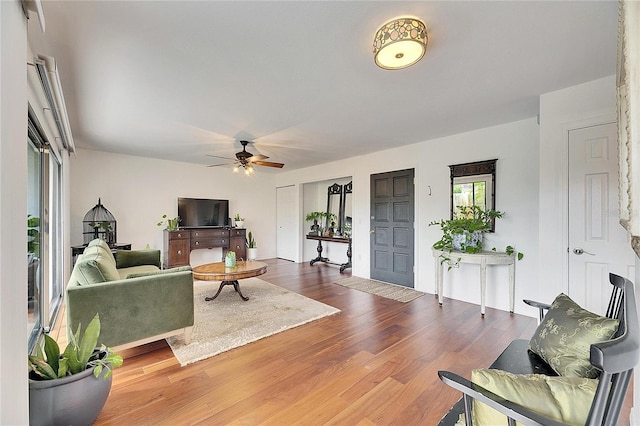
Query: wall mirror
473, 184
346, 214
334, 206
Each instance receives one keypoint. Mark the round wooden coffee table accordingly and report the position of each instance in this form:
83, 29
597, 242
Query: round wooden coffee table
229, 276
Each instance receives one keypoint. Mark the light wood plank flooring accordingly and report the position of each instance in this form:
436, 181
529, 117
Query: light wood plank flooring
376, 362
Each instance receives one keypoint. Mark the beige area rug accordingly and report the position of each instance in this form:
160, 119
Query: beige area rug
379, 288
229, 322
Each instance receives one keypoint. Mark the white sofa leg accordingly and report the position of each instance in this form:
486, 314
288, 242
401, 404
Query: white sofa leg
187, 335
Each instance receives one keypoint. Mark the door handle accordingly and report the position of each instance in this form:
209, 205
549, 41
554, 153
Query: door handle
580, 251
373, 231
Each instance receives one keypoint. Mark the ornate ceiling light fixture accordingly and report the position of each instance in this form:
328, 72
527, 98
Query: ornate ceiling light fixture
400, 43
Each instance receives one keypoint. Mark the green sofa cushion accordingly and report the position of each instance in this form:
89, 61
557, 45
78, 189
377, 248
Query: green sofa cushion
564, 399
157, 272
128, 258
95, 266
140, 270
563, 339
101, 243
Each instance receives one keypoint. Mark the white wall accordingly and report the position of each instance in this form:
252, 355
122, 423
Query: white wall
14, 408
578, 106
516, 147
138, 191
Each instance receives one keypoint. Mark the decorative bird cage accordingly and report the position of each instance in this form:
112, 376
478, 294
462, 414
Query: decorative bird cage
99, 223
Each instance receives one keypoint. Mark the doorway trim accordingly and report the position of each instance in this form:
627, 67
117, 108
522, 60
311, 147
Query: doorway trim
563, 191
410, 237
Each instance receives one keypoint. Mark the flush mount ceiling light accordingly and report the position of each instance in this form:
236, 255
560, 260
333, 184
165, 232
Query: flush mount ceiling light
400, 43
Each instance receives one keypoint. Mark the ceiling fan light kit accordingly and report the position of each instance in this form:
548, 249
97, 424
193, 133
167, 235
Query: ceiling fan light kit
400, 43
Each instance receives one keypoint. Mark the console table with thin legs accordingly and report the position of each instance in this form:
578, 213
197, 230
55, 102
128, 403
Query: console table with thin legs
320, 258
483, 259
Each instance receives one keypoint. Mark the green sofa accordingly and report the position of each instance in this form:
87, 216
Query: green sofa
137, 301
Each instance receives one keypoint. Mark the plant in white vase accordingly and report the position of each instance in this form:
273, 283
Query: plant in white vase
252, 249
239, 220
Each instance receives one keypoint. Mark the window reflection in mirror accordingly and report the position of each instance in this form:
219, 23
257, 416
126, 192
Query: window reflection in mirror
473, 184
471, 191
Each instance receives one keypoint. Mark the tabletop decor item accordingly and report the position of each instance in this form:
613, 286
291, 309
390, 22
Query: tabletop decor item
230, 259
171, 224
465, 232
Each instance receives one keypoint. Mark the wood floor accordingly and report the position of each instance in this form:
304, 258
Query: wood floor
375, 362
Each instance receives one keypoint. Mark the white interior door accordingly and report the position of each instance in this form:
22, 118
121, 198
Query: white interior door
597, 242
286, 236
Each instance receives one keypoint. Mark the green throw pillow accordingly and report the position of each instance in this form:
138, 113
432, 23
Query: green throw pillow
129, 258
564, 337
95, 267
102, 244
159, 272
564, 399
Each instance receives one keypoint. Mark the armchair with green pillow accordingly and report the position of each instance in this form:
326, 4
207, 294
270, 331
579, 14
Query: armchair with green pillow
575, 369
137, 301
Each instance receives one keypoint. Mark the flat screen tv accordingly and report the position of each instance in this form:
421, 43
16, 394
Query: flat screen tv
201, 212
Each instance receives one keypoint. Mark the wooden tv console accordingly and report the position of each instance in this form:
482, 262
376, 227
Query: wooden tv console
178, 244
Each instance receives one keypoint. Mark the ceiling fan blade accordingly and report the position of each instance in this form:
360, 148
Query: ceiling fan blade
268, 164
256, 157
217, 156
222, 164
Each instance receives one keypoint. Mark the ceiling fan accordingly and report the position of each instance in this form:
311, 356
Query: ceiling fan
246, 160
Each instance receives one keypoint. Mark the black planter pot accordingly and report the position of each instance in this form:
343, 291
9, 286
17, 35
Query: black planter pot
72, 400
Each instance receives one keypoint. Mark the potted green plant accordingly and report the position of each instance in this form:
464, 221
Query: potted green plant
171, 224
70, 387
331, 219
315, 217
239, 220
348, 228
252, 249
465, 232
230, 259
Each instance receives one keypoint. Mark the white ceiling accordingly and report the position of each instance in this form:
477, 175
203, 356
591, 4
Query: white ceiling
181, 79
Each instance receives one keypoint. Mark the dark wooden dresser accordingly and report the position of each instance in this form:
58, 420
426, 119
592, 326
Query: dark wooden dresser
178, 244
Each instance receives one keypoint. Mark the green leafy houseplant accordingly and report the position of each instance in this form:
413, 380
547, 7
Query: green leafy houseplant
466, 221
317, 217
251, 243
238, 218
171, 224
79, 355
70, 388
465, 232
311, 216
348, 228
33, 235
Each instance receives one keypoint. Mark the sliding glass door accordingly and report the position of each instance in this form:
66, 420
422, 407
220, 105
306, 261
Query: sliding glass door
34, 240
44, 234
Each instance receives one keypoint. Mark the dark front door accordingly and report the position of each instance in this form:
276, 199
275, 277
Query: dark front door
392, 207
